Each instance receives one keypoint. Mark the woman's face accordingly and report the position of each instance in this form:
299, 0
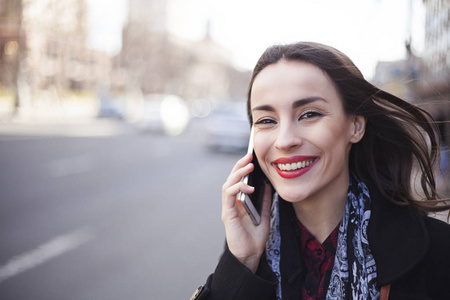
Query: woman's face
302, 135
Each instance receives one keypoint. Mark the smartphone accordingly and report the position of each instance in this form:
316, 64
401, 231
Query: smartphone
253, 202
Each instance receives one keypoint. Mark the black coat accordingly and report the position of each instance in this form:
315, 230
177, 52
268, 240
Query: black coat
412, 253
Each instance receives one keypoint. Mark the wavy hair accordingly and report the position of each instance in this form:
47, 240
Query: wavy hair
399, 137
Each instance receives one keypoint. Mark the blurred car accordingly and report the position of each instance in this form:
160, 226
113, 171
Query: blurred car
109, 108
149, 118
163, 113
227, 128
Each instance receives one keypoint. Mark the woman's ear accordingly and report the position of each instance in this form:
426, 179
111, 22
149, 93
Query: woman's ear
359, 128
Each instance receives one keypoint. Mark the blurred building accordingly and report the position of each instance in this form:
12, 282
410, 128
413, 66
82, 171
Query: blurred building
425, 80
399, 77
434, 90
44, 48
10, 34
56, 54
154, 60
436, 54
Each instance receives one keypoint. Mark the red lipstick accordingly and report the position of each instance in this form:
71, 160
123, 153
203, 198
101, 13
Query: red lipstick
288, 174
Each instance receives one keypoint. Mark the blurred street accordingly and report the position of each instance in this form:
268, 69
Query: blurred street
96, 210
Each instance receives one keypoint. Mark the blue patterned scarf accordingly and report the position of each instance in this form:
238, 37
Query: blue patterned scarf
354, 273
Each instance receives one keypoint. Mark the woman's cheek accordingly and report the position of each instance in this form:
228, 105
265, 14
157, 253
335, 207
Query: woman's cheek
260, 151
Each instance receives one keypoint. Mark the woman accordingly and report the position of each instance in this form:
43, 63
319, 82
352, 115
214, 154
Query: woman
340, 156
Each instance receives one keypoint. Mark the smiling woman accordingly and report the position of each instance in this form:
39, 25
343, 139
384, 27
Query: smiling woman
338, 154
313, 130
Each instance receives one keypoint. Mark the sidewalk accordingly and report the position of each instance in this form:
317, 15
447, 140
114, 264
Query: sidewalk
75, 121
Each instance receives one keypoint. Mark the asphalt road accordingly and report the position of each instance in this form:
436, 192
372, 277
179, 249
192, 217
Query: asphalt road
118, 215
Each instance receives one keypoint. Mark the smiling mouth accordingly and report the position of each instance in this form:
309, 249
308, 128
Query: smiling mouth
296, 165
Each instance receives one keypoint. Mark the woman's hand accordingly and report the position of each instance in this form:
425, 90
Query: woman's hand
245, 240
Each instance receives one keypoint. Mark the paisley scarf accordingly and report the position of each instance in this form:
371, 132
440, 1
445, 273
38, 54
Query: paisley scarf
354, 273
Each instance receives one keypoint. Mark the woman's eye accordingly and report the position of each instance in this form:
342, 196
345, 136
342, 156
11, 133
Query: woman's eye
310, 114
265, 122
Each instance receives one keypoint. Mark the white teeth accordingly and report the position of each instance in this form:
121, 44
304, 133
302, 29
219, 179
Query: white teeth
295, 166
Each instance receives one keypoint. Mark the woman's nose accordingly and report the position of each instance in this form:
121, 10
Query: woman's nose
288, 138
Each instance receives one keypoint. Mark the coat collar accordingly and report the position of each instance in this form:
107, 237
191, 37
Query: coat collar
291, 265
398, 238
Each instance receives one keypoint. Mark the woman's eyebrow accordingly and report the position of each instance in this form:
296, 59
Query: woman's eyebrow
296, 103
264, 108
307, 100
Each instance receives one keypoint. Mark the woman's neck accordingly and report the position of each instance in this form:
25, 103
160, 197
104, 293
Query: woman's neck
323, 213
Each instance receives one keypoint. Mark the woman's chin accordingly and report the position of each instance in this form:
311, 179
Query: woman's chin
292, 197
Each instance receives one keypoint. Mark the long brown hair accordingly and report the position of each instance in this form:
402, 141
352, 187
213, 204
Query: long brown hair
399, 138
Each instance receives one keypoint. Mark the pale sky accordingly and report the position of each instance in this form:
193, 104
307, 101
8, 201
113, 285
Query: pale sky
366, 30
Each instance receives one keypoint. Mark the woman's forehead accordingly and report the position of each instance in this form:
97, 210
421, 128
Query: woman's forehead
291, 80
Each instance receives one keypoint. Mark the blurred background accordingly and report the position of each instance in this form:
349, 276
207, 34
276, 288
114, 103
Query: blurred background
121, 119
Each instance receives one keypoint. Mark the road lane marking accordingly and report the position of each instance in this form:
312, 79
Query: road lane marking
53, 248
70, 166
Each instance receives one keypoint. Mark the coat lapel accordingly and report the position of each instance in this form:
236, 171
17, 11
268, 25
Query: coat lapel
291, 263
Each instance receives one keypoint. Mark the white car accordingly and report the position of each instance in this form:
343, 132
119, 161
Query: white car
227, 127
